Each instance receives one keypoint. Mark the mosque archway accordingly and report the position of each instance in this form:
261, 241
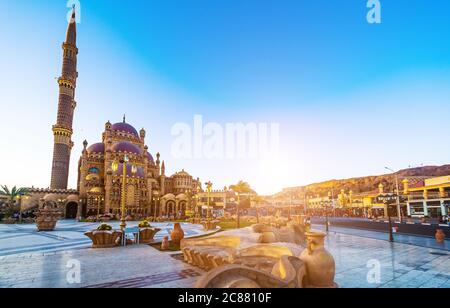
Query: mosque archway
170, 206
71, 210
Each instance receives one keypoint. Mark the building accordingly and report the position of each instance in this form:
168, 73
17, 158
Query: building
219, 200
148, 190
428, 198
62, 130
58, 195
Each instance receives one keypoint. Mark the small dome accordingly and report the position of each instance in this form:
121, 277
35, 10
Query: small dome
150, 157
169, 197
182, 173
51, 198
126, 147
92, 176
125, 128
181, 197
73, 198
96, 148
97, 190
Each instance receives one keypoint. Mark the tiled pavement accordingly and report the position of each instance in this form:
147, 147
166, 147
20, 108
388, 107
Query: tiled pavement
132, 266
69, 235
401, 265
423, 241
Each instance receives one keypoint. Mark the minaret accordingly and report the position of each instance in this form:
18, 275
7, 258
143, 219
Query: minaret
62, 130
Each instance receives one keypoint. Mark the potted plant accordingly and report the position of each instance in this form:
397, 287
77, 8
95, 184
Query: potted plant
104, 236
146, 232
47, 218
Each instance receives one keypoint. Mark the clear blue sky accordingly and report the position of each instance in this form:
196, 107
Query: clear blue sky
350, 97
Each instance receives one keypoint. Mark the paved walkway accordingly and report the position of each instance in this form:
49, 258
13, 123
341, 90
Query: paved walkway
422, 241
132, 266
68, 235
400, 265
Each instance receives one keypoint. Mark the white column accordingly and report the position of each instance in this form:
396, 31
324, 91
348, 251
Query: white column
425, 208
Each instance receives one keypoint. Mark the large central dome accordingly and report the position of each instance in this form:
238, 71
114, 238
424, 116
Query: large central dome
125, 128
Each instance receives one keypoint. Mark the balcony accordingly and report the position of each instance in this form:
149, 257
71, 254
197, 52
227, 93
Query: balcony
431, 196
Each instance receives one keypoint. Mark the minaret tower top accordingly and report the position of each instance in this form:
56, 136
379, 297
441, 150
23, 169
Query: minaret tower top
62, 130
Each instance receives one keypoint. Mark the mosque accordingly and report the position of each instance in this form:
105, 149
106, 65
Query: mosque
101, 176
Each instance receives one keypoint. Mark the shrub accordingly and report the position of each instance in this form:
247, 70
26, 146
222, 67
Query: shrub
144, 224
104, 227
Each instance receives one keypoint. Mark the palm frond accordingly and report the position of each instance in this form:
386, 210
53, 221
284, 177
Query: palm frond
5, 190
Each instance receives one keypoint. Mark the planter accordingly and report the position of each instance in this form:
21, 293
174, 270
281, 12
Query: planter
47, 218
104, 239
320, 265
147, 235
440, 236
177, 234
210, 225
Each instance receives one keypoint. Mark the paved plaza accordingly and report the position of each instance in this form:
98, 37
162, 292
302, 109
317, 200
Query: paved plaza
41, 260
68, 235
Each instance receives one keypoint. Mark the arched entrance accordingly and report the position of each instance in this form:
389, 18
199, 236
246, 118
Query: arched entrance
182, 208
71, 210
171, 208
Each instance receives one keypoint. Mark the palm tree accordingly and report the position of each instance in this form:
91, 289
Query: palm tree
240, 188
13, 195
258, 200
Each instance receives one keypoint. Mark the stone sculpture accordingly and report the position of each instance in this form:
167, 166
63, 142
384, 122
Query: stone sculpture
47, 218
262, 256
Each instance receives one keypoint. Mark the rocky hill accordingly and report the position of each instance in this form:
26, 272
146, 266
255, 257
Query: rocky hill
369, 183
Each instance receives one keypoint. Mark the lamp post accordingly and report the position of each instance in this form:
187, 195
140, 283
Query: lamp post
388, 200
290, 207
99, 202
156, 201
209, 186
197, 212
330, 200
399, 211
115, 167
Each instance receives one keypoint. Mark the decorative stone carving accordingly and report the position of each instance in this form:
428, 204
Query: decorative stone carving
209, 225
147, 235
440, 236
177, 234
104, 239
240, 259
165, 243
47, 218
320, 265
288, 272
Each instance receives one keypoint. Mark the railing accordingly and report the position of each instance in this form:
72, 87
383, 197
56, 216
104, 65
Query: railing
433, 196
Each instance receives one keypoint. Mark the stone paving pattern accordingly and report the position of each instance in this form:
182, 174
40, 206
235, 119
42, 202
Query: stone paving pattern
68, 235
402, 265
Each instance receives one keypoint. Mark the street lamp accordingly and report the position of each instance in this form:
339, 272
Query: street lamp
290, 207
399, 211
99, 200
156, 201
209, 186
388, 200
115, 167
197, 212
